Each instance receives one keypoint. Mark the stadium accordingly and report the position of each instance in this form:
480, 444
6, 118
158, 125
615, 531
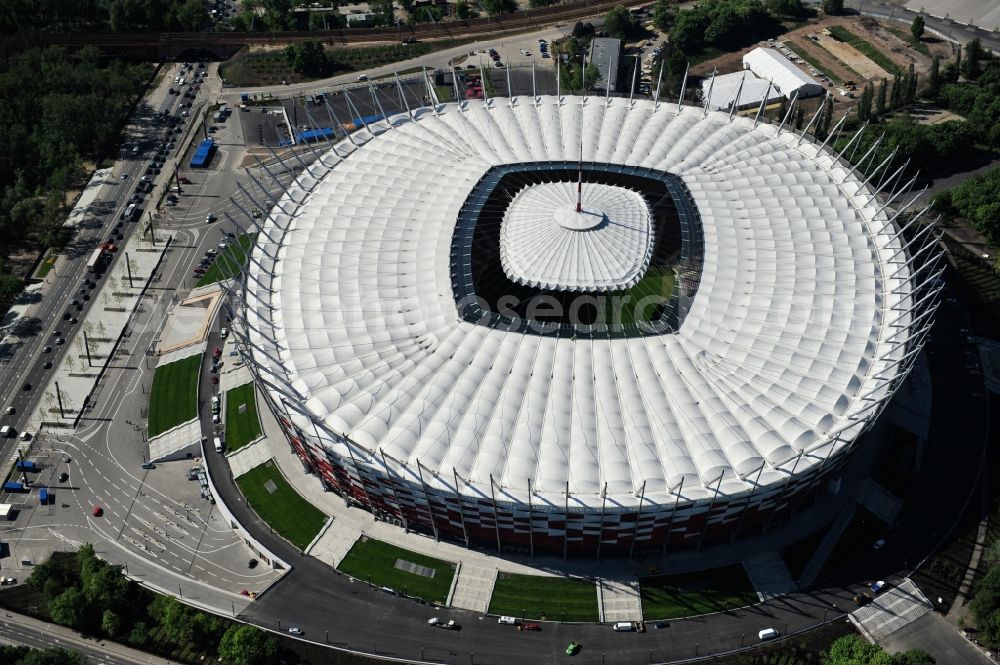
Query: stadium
582, 326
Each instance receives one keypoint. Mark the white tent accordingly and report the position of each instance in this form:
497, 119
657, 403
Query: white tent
726, 87
769, 64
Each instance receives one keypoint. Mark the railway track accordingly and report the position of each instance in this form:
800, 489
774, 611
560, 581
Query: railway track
166, 43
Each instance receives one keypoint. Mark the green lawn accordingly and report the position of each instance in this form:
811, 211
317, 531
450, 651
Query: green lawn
374, 562
865, 48
229, 261
688, 594
241, 428
46, 266
174, 397
908, 38
657, 283
550, 598
291, 516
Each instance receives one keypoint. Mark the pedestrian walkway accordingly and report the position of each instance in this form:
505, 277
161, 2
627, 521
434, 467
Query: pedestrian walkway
248, 457
333, 544
181, 354
176, 442
619, 601
769, 574
826, 546
879, 501
473, 588
890, 611
233, 376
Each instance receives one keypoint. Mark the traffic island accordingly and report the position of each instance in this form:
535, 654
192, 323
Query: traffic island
565, 599
691, 594
173, 399
273, 499
398, 570
242, 423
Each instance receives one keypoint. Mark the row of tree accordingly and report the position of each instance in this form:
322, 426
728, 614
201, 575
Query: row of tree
10, 655
23, 16
90, 595
887, 96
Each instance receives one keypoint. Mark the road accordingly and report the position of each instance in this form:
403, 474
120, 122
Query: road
21, 373
951, 30
22, 630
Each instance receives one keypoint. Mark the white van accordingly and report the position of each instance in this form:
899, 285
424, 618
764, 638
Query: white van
510, 621
624, 627
218, 445
7, 431
767, 634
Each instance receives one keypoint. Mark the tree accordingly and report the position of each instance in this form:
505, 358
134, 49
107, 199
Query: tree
139, 635
309, 57
69, 608
973, 54
833, 6
785, 7
620, 23
852, 650
934, 78
865, 103
111, 623
462, 10
192, 15
664, 15
917, 27
51, 656
247, 645
880, 98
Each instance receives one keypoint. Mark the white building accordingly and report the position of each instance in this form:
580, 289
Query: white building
770, 65
722, 93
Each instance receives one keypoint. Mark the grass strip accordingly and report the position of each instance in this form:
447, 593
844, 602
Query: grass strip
865, 48
547, 598
689, 594
173, 398
374, 561
291, 516
241, 428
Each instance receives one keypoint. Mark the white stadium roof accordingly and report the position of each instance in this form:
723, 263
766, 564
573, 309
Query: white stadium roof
545, 242
778, 363
771, 65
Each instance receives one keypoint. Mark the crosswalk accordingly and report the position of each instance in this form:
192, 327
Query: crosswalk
890, 611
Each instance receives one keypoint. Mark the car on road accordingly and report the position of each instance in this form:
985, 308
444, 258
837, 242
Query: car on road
63, 477
11, 411
47, 364
252, 563
60, 341
47, 349
572, 648
441, 623
295, 630
97, 511
532, 626
183, 179
6, 581
209, 218
362, 77
878, 586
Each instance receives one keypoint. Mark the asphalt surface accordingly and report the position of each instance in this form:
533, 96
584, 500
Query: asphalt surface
21, 631
21, 373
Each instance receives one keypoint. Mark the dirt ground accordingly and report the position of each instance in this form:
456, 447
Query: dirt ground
875, 32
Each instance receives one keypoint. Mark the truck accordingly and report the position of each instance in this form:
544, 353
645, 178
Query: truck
12, 486
94, 263
26, 465
43, 496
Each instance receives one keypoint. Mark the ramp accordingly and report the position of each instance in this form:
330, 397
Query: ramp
894, 609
